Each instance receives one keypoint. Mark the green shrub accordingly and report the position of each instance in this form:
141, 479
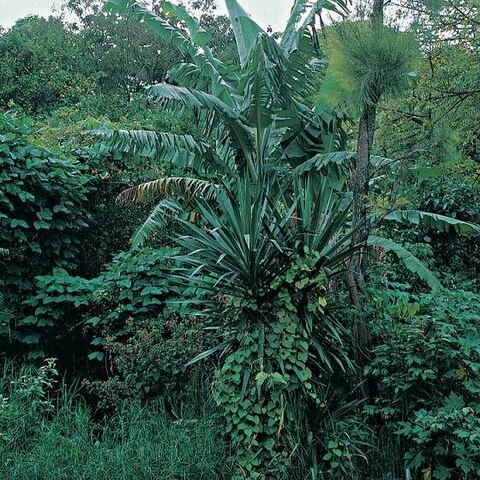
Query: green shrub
133, 287
43, 65
427, 366
457, 197
129, 314
42, 197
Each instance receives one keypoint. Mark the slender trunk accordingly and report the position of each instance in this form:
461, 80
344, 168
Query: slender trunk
377, 13
355, 275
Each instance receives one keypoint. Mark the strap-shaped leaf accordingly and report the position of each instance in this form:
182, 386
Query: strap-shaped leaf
435, 221
197, 34
244, 29
158, 218
409, 260
192, 98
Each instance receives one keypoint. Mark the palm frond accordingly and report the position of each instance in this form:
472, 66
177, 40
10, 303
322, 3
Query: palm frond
166, 187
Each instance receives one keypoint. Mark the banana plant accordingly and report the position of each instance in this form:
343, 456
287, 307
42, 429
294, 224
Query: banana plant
251, 113
252, 116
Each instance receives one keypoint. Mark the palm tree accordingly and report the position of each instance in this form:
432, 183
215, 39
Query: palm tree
368, 62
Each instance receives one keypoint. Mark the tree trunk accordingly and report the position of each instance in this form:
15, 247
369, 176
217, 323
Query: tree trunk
377, 13
355, 275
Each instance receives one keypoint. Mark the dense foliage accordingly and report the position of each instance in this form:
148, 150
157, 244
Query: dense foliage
41, 216
181, 221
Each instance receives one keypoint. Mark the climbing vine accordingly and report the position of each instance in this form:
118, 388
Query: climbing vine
270, 366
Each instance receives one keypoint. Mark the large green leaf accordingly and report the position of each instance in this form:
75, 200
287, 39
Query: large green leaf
167, 187
148, 143
156, 24
339, 163
197, 34
409, 260
298, 21
434, 221
290, 37
197, 99
244, 28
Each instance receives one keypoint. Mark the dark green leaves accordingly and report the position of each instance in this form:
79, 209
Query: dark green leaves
433, 221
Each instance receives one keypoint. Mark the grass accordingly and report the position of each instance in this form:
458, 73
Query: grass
42, 439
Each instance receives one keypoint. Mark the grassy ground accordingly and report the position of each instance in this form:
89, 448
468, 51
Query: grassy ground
41, 439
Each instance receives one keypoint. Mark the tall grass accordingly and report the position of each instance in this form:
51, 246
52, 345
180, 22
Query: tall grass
42, 438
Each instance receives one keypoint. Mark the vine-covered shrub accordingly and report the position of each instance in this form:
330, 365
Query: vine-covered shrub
42, 197
275, 366
41, 207
133, 288
427, 367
